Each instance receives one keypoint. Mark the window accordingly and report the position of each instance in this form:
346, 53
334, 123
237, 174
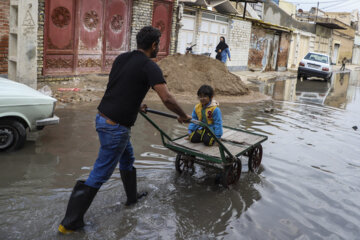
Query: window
316, 57
221, 19
208, 16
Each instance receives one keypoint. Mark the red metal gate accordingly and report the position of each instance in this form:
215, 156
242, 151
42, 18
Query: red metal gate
162, 18
85, 36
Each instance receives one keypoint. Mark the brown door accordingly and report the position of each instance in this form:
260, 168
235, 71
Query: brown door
162, 16
117, 30
59, 44
85, 36
89, 35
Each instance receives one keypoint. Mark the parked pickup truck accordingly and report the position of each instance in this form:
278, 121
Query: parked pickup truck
21, 108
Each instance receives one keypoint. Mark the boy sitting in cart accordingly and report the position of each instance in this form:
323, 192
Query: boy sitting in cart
208, 112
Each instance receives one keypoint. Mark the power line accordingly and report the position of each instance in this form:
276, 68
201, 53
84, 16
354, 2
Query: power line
339, 4
312, 2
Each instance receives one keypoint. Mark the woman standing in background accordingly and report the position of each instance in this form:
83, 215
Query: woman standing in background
222, 51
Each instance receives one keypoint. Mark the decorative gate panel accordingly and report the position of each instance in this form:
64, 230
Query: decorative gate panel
162, 15
85, 36
90, 36
59, 36
117, 30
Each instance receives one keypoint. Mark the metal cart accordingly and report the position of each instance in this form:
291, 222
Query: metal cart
223, 155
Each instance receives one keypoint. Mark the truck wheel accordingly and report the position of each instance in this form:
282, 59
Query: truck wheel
12, 135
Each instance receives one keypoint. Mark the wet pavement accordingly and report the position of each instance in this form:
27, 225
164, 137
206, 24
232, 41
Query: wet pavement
308, 186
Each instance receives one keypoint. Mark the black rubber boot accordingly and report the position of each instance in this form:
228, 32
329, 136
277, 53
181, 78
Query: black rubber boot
79, 202
130, 186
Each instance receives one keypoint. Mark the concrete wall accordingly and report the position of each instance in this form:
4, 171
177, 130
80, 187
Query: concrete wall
356, 50
23, 42
301, 43
344, 17
323, 40
239, 42
356, 55
275, 15
283, 54
261, 47
289, 8
4, 35
346, 47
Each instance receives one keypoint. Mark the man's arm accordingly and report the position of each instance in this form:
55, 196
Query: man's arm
170, 102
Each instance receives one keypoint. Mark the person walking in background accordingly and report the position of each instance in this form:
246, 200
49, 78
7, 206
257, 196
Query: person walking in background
222, 51
343, 62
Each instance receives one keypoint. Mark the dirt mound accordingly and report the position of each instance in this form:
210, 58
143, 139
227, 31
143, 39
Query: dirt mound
186, 73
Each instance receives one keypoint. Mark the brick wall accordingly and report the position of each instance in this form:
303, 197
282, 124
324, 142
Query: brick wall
173, 35
239, 42
4, 35
141, 17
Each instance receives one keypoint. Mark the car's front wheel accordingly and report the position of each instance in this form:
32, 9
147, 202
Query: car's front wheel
12, 135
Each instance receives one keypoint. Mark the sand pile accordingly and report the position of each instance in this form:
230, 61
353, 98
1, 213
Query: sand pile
186, 73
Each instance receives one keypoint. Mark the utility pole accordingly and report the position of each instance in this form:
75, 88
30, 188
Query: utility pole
317, 10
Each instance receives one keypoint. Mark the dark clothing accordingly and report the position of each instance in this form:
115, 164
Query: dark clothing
221, 46
131, 76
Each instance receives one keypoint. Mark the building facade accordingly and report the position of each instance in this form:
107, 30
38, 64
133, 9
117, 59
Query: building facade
76, 37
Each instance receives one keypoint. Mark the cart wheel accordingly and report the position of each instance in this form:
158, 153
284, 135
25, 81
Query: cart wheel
232, 173
255, 157
184, 163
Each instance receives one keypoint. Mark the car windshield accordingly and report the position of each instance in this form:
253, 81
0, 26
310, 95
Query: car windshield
316, 57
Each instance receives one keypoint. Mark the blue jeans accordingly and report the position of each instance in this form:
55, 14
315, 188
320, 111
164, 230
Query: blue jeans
115, 147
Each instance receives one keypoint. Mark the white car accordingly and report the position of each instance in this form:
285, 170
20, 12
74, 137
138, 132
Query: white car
315, 65
21, 108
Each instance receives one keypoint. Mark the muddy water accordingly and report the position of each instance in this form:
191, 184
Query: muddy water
308, 186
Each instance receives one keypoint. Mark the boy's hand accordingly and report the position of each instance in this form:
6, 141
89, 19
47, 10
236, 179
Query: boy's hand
184, 119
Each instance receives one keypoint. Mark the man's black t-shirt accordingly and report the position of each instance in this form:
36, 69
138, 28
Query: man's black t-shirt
131, 76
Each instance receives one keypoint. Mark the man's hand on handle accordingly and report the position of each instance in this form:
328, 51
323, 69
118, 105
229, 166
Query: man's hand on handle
143, 108
170, 102
184, 119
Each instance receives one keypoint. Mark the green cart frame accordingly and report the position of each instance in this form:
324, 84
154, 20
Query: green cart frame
223, 155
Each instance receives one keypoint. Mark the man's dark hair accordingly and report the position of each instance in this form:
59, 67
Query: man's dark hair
206, 90
147, 36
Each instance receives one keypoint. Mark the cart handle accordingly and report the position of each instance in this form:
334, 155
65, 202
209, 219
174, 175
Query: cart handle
173, 116
160, 113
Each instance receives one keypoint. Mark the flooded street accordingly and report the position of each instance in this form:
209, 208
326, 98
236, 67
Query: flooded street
308, 186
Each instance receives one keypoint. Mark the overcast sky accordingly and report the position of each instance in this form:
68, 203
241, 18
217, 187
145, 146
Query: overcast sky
327, 5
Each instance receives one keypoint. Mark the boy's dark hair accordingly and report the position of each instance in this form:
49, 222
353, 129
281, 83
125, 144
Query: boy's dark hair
206, 90
147, 36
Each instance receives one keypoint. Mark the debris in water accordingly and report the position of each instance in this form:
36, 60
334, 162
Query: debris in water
269, 110
355, 128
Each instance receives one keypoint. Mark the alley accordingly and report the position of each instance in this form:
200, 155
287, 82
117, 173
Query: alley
305, 188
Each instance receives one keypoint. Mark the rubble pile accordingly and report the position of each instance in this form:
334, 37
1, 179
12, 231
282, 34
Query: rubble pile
186, 73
